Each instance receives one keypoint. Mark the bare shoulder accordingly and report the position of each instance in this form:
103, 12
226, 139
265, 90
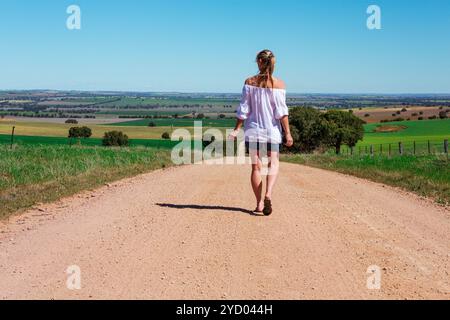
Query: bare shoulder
278, 83
256, 82
252, 81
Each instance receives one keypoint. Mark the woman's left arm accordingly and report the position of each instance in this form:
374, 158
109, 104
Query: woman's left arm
285, 123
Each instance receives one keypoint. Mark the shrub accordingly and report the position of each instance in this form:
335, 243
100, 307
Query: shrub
398, 112
443, 115
221, 116
80, 132
414, 114
71, 121
420, 118
367, 115
432, 117
421, 112
115, 139
399, 119
404, 110
165, 136
151, 124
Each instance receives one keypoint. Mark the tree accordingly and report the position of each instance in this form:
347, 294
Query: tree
344, 128
308, 129
71, 121
115, 139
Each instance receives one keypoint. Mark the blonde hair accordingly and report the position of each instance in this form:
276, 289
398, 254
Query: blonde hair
266, 64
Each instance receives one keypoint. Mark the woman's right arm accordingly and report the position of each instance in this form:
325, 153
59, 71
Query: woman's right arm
242, 112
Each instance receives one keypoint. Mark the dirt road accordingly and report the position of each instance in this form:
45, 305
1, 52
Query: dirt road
184, 233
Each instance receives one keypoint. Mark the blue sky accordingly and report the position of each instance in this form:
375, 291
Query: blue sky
322, 46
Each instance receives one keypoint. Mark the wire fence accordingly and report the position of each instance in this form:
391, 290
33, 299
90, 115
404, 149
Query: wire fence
399, 148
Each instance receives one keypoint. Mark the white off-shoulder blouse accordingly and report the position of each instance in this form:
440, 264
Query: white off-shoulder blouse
262, 109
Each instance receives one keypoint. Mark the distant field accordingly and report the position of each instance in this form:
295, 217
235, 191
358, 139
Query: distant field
136, 102
141, 112
419, 131
61, 130
374, 115
221, 123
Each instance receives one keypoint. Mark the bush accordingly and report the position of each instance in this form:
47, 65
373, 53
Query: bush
421, 112
71, 121
80, 132
151, 124
367, 115
432, 117
414, 114
420, 118
115, 139
443, 115
404, 110
165, 136
399, 119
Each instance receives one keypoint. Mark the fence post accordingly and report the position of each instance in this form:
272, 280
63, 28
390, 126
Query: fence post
414, 152
371, 150
12, 136
400, 148
446, 147
429, 147
390, 149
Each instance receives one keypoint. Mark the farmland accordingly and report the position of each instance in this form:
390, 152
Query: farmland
40, 128
409, 131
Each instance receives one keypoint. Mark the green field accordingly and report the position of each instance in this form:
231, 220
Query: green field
38, 140
42, 173
419, 131
218, 123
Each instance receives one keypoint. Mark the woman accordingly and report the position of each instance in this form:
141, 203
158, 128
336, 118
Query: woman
264, 111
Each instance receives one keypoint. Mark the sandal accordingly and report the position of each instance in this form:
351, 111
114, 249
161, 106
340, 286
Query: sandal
267, 207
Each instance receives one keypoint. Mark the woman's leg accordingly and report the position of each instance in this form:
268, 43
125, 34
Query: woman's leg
256, 179
274, 166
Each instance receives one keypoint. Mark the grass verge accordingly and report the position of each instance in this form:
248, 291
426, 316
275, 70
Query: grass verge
45, 173
427, 176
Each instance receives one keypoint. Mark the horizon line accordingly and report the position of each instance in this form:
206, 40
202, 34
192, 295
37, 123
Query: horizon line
234, 93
